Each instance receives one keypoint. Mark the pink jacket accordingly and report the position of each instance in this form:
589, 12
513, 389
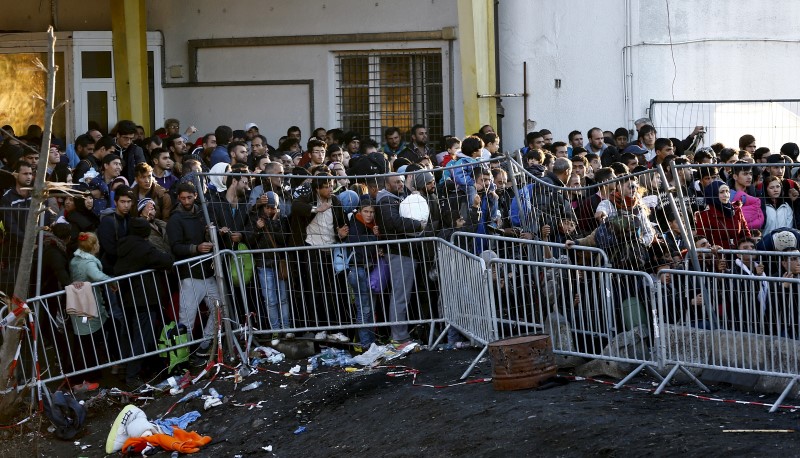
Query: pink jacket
751, 208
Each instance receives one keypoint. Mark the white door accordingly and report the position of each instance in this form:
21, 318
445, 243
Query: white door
95, 99
99, 103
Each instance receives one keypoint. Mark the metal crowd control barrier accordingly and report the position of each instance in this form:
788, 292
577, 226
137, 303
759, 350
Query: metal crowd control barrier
328, 288
466, 301
11, 245
755, 328
137, 307
773, 122
590, 312
523, 249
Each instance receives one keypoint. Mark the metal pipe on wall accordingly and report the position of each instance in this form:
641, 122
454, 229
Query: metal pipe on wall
499, 100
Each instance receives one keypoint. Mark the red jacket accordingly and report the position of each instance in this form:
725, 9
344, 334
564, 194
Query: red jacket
722, 230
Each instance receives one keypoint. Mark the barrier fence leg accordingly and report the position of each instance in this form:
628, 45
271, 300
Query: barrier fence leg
630, 376
695, 379
654, 373
475, 361
438, 339
666, 380
783, 395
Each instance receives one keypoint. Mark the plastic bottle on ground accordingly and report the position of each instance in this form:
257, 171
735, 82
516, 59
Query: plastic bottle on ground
251, 386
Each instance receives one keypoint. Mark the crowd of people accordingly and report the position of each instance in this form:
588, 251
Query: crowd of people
140, 203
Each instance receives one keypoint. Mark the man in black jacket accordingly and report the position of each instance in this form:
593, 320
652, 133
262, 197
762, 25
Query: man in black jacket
229, 209
114, 227
142, 295
14, 205
401, 263
186, 232
129, 152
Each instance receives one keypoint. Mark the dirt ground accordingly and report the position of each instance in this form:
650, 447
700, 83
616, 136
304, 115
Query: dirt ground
370, 413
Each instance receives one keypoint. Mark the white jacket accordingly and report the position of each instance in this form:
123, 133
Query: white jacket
783, 216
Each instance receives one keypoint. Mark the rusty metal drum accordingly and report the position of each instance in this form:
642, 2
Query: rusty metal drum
520, 363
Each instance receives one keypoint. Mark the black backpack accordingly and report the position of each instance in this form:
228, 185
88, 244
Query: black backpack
369, 164
66, 413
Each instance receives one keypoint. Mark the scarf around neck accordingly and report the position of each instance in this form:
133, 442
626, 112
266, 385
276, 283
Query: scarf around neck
360, 219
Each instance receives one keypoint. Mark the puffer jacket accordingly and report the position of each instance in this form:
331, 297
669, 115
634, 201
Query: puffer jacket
751, 208
780, 216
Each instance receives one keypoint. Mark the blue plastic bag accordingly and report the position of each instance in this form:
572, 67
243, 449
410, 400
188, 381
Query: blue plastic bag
379, 277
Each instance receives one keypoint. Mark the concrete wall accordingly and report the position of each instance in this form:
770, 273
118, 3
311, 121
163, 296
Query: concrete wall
612, 56
34, 16
579, 42
273, 108
723, 49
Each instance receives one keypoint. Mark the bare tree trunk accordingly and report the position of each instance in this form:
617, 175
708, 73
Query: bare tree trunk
11, 337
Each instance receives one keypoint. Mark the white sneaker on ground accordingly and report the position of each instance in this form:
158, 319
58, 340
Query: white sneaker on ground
339, 337
322, 335
131, 422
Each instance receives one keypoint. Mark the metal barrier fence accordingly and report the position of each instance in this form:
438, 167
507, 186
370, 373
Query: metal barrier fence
11, 220
772, 122
525, 249
589, 216
466, 301
752, 326
133, 310
580, 296
348, 286
589, 312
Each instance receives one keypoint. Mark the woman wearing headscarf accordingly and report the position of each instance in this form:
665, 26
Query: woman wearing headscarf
217, 182
722, 222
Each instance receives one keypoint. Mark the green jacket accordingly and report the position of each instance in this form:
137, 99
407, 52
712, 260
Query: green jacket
86, 267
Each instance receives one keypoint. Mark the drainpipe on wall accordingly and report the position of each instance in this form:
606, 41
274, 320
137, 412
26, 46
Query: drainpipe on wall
500, 110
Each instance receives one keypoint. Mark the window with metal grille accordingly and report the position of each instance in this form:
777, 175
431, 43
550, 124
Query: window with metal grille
376, 90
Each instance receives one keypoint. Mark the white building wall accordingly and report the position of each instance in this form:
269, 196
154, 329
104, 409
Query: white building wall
723, 49
577, 41
274, 108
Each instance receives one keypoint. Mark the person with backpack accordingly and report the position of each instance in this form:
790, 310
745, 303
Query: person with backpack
113, 227
402, 265
142, 296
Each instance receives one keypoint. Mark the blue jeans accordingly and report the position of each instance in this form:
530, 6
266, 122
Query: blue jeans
358, 278
274, 291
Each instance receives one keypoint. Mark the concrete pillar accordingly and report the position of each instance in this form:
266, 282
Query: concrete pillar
476, 42
128, 28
